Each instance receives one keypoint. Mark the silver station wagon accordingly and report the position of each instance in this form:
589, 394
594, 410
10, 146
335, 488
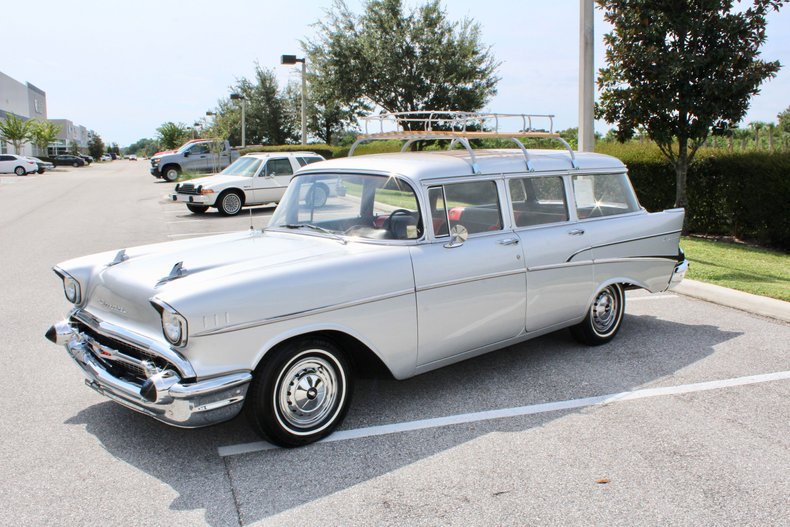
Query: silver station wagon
425, 259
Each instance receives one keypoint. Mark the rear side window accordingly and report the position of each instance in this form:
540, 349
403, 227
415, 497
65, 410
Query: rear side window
538, 200
603, 195
473, 205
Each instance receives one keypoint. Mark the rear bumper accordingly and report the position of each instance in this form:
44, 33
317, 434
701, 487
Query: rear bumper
678, 274
163, 395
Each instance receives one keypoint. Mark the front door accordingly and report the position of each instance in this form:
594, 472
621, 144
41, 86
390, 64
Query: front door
272, 181
470, 294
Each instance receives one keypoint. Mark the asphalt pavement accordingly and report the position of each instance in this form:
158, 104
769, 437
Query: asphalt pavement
682, 420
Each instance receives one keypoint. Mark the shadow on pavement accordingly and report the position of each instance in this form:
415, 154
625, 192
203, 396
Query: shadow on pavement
550, 368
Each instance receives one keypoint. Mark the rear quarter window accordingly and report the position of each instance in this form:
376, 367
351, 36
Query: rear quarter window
598, 195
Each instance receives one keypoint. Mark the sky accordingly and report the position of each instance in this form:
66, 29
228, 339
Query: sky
124, 68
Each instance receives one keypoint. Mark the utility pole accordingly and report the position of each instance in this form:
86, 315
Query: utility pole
586, 77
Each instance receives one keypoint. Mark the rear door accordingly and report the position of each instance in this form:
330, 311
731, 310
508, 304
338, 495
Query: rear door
556, 251
6, 164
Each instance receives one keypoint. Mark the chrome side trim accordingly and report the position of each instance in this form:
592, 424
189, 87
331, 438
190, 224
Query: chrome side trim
136, 340
560, 265
299, 314
459, 281
621, 241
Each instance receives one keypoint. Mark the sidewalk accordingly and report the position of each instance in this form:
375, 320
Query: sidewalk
759, 305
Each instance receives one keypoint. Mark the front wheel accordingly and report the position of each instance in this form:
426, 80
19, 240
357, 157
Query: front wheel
604, 317
229, 203
197, 209
171, 173
300, 393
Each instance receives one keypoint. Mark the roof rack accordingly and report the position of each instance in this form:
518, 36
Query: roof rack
458, 128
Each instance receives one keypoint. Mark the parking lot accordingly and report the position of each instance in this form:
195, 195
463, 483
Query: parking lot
682, 420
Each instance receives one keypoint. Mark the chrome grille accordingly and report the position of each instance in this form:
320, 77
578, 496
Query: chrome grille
187, 188
123, 369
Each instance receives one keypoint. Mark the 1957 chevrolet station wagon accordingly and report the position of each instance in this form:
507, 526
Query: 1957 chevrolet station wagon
425, 259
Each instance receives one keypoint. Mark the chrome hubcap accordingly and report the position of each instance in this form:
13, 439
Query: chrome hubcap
605, 311
308, 392
231, 204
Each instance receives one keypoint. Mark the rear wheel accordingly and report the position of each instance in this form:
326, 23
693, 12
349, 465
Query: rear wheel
20, 171
75, 164
604, 317
300, 392
197, 209
229, 203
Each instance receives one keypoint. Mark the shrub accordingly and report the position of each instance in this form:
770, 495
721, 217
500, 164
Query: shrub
741, 194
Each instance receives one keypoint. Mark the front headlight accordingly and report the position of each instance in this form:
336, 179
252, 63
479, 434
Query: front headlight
174, 326
72, 289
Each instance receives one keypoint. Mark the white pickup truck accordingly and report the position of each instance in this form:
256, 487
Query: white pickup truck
195, 156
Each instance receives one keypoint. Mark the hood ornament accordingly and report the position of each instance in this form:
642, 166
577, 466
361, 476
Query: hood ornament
120, 257
176, 272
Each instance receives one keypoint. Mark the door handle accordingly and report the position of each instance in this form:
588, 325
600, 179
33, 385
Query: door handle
509, 241
576, 232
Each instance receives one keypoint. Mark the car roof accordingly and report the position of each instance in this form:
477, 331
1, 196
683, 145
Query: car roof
270, 154
419, 166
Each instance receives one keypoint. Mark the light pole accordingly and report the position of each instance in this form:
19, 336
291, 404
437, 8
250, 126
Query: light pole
291, 59
586, 77
237, 97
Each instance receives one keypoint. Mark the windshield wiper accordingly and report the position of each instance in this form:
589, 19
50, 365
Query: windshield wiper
315, 228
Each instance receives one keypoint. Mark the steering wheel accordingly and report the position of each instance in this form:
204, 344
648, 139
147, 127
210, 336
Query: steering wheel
387, 223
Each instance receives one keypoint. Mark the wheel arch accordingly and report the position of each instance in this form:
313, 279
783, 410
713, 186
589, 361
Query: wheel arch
364, 360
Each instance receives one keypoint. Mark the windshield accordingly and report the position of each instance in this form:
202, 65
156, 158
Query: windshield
355, 206
244, 166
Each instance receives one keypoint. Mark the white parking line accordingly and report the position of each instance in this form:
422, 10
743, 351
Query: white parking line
371, 431
651, 297
182, 221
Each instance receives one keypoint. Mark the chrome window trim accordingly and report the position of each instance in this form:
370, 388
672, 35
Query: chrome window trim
136, 340
300, 314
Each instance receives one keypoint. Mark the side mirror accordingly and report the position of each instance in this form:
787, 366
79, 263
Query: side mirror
186, 154
458, 235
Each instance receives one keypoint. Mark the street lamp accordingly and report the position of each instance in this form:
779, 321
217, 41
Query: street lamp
240, 97
291, 59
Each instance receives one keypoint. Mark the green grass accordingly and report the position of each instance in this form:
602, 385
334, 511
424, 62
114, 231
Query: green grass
757, 271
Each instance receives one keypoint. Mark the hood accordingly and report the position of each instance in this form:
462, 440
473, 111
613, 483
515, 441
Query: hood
219, 180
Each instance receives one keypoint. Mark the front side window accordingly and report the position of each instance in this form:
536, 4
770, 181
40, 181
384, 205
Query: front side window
538, 200
201, 148
603, 195
473, 206
279, 167
350, 205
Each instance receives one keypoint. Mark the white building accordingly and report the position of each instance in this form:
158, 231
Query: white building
23, 100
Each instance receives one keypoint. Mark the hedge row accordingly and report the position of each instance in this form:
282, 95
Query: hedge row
744, 195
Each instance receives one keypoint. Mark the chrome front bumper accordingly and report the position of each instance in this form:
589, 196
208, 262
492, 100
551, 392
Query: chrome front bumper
678, 274
164, 395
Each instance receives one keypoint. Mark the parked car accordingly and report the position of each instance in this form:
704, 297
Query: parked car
19, 165
68, 160
106, 157
43, 166
132, 157
204, 156
88, 159
427, 259
254, 179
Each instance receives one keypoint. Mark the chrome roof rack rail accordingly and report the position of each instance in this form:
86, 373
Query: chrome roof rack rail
458, 127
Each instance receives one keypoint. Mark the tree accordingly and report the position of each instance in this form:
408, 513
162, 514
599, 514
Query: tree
172, 135
680, 68
16, 131
398, 60
267, 118
43, 133
784, 120
74, 148
95, 145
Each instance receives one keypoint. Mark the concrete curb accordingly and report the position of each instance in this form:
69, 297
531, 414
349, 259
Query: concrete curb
759, 305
